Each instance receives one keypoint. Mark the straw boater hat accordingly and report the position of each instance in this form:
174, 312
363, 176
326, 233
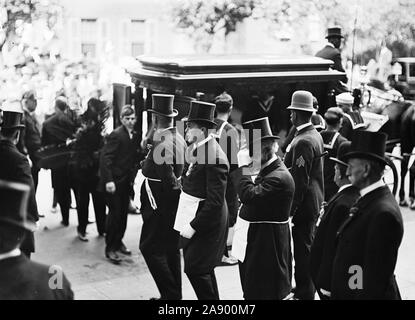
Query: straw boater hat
302, 101
344, 98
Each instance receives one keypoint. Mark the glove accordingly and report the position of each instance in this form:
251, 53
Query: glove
110, 187
243, 158
188, 232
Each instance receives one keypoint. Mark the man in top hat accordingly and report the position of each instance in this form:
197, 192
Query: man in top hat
262, 241
30, 140
368, 241
14, 165
20, 278
304, 157
202, 215
332, 140
118, 168
57, 130
160, 191
331, 218
228, 138
332, 52
352, 119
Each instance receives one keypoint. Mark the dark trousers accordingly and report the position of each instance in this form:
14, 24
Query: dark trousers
205, 285
303, 235
84, 189
35, 175
117, 216
61, 184
165, 269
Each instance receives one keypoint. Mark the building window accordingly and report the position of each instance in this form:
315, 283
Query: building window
88, 50
137, 48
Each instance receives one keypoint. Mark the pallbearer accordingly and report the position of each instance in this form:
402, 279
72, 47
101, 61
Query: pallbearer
262, 240
160, 193
202, 216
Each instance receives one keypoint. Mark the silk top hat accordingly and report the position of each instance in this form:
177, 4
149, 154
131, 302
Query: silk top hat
163, 105
334, 32
344, 148
12, 115
13, 198
368, 145
201, 111
258, 129
302, 101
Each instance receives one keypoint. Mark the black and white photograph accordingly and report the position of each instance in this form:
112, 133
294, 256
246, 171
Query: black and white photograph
225, 151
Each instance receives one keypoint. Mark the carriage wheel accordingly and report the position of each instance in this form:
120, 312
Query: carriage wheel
391, 177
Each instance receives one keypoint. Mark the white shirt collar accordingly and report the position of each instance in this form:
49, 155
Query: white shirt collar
344, 187
330, 45
372, 187
305, 125
266, 164
14, 253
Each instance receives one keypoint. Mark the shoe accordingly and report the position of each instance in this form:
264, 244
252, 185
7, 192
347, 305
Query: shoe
412, 205
228, 261
82, 237
41, 215
54, 210
123, 249
113, 257
403, 203
65, 223
91, 222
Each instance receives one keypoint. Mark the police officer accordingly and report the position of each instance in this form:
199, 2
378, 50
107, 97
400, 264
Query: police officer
162, 169
304, 157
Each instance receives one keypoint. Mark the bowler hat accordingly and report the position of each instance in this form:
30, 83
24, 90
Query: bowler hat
201, 112
13, 198
334, 32
163, 105
302, 101
343, 149
263, 127
368, 145
12, 120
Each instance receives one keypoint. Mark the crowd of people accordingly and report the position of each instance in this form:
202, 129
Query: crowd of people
317, 206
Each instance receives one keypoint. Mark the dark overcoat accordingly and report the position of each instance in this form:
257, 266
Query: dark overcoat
157, 234
334, 54
22, 279
352, 120
369, 239
266, 270
305, 162
204, 251
324, 245
14, 166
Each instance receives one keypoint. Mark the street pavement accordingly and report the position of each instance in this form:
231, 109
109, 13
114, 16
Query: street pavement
93, 277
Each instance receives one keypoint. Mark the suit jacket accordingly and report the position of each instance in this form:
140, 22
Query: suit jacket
266, 271
331, 145
119, 158
323, 249
14, 166
30, 139
57, 129
157, 234
305, 162
369, 238
331, 53
207, 181
22, 279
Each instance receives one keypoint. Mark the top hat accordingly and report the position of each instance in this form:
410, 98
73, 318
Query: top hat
201, 111
263, 127
163, 105
12, 120
344, 148
13, 198
334, 32
334, 113
302, 101
368, 145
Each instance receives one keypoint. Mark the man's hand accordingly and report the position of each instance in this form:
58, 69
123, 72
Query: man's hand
110, 187
243, 158
188, 232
